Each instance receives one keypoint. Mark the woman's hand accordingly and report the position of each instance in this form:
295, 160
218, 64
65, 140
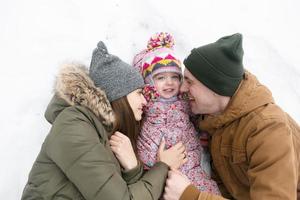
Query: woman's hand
174, 157
122, 148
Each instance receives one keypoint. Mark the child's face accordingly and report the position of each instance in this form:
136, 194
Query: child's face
167, 84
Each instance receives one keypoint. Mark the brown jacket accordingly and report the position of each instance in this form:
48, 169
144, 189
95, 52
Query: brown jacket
254, 146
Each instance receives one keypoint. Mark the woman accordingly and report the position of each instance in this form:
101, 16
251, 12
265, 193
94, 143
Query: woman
77, 160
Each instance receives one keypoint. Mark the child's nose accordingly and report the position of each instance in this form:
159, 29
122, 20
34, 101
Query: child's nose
169, 80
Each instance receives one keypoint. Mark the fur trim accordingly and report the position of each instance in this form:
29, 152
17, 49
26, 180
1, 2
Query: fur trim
74, 85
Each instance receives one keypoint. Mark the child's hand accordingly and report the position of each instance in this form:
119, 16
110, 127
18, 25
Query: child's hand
122, 148
174, 157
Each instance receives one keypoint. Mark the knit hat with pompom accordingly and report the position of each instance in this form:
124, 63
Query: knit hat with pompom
158, 57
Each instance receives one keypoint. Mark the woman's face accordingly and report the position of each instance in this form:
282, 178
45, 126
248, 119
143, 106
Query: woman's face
137, 101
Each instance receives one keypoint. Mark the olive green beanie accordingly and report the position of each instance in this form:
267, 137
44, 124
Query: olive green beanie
219, 65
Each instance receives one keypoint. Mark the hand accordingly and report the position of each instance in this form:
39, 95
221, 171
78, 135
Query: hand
122, 148
175, 185
174, 157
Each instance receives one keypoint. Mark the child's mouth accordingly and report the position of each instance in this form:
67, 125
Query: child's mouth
169, 90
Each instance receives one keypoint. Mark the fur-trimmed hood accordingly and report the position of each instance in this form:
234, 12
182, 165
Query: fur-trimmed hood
73, 86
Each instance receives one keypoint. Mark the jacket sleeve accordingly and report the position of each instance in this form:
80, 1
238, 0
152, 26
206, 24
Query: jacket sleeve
77, 150
133, 175
272, 167
192, 193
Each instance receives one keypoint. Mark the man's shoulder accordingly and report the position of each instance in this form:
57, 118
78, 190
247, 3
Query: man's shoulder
268, 113
261, 119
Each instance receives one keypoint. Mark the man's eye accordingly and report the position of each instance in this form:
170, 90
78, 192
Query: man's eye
189, 82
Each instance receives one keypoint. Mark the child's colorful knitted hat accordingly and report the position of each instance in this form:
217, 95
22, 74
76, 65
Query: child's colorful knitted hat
158, 57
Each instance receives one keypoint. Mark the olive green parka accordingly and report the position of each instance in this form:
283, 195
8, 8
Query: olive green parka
76, 161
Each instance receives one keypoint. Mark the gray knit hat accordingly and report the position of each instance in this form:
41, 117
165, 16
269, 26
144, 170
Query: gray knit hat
111, 74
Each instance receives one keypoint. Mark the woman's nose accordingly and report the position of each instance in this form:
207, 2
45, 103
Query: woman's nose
144, 102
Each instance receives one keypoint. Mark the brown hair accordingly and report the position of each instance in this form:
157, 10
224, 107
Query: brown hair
125, 120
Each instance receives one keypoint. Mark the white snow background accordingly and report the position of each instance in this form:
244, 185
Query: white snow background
37, 36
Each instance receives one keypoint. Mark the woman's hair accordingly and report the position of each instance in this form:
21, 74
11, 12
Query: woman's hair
125, 120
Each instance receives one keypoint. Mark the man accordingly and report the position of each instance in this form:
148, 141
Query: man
254, 144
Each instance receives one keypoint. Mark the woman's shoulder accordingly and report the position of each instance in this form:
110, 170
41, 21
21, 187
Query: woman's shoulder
75, 113
76, 122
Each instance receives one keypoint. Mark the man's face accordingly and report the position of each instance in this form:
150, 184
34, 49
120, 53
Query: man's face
202, 99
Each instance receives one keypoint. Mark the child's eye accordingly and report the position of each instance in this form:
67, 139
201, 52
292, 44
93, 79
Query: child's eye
160, 78
175, 77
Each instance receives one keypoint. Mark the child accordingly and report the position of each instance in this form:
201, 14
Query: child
166, 114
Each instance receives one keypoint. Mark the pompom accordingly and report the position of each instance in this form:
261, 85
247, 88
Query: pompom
159, 40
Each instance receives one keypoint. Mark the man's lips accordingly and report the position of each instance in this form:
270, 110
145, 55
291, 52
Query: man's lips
186, 96
191, 98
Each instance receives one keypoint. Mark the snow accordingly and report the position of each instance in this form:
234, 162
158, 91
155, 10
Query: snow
37, 36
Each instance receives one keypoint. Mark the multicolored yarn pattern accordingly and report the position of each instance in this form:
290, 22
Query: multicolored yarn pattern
150, 93
157, 58
159, 40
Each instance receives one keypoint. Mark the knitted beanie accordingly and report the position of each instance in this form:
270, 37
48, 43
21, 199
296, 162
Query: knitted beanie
158, 57
111, 74
218, 65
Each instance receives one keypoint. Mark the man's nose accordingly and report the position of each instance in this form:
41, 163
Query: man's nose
183, 88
